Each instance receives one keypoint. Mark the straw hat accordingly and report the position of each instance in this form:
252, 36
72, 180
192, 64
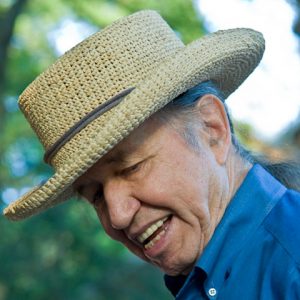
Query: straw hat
101, 90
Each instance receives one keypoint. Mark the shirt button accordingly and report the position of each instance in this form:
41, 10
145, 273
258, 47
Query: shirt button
212, 292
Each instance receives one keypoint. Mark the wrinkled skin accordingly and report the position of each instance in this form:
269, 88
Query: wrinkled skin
154, 173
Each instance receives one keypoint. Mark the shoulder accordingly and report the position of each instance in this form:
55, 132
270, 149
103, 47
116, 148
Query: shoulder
283, 224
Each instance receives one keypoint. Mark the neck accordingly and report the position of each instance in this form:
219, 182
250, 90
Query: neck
237, 170
227, 183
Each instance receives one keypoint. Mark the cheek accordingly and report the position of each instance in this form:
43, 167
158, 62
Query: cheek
169, 181
120, 236
181, 188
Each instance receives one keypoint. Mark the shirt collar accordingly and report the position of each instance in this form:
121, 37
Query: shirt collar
253, 201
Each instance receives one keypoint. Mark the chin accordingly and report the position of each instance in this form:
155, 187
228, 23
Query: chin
174, 270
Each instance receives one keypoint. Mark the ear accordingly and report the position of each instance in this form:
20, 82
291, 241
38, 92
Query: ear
216, 125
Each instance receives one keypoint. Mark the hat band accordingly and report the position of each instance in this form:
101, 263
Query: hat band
77, 127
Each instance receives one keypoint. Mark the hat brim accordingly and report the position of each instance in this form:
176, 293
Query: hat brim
226, 57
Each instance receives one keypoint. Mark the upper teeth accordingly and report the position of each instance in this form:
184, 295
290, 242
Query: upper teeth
150, 230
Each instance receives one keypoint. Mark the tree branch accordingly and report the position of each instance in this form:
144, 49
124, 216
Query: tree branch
7, 24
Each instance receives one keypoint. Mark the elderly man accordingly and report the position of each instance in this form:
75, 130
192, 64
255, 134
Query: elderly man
135, 122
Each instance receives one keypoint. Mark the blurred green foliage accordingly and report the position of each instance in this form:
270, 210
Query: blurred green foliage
63, 253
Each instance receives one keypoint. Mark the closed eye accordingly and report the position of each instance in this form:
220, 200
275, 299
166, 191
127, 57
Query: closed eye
98, 197
88, 193
131, 170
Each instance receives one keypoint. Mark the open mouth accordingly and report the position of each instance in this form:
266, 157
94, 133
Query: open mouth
153, 233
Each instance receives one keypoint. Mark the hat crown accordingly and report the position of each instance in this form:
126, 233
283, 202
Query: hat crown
111, 60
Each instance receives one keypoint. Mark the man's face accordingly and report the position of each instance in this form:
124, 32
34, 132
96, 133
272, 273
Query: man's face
153, 192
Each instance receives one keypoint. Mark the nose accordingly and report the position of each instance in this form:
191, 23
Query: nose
121, 204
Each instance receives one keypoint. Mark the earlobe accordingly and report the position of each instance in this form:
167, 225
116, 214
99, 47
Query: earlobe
216, 124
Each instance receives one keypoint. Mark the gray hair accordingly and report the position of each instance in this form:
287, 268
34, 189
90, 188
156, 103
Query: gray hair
183, 107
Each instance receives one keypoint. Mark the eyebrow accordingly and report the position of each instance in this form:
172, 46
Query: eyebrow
119, 156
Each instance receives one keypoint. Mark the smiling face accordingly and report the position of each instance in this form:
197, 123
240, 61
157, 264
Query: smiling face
158, 195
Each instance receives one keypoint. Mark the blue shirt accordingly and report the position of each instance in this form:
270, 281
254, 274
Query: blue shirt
255, 250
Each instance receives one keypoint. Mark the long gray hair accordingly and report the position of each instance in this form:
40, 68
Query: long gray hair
287, 172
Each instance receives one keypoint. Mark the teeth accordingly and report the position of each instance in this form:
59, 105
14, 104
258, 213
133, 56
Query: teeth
150, 230
156, 239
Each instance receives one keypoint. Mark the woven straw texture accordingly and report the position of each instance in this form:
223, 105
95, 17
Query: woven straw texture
138, 51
